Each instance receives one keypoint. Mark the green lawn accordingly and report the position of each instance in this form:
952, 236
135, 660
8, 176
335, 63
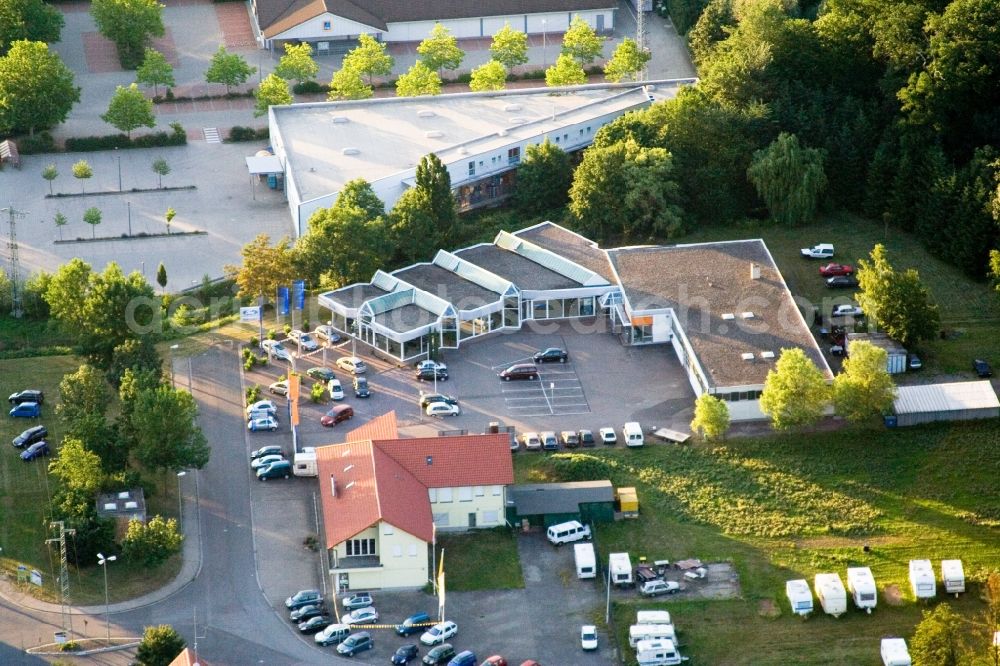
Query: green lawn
481, 560
970, 311
791, 506
26, 491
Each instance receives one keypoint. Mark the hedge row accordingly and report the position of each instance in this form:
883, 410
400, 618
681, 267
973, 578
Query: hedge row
239, 133
176, 137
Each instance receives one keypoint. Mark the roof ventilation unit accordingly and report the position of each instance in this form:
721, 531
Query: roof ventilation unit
767, 354
747, 356
728, 316
502, 132
462, 150
425, 113
754, 271
350, 151
746, 315
518, 120
512, 108
433, 134
341, 119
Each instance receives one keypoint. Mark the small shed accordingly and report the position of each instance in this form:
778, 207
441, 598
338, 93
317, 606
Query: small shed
123, 507
953, 401
546, 504
896, 361
627, 502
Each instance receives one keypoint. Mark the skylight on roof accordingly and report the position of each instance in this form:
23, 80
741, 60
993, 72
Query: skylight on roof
425, 113
767, 354
728, 316
746, 315
747, 356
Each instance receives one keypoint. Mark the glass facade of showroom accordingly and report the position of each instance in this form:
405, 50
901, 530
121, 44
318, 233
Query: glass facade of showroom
558, 308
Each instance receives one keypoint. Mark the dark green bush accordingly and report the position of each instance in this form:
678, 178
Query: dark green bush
239, 133
176, 137
39, 143
310, 88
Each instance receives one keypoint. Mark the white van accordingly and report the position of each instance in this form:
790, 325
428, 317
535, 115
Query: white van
922, 581
586, 561
568, 532
633, 434
861, 585
651, 632
894, 652
657, 653
652, 617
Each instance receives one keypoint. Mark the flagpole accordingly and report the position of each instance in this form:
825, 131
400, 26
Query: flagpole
434, 538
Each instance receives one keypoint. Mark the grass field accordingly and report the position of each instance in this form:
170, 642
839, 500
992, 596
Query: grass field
482, 560
791, 506
26, 491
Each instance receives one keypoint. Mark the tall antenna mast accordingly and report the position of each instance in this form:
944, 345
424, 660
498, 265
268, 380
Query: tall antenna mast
16, 306
63, 572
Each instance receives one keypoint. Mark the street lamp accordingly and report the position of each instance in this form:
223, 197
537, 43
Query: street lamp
180, 506
545, 55
129, 204
172, 349
118, 155
103, 562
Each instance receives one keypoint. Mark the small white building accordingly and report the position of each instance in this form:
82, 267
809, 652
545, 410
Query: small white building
953, 576
922, 581
799, 596
831, 593
952, 401
861, 585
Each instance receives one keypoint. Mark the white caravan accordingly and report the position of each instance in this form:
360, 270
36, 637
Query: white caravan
831, 593
304, 462
922, 581
652, 617
586, 561
799, 596
657, 653
861, 584
894, 652
953, 576
651, 632
620, 567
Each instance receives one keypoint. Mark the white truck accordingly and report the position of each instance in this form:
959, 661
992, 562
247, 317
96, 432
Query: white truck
861, 584
953, 576
657, 653
586, 561
922, 581
894, 652
831, 593
620, 568
799, 596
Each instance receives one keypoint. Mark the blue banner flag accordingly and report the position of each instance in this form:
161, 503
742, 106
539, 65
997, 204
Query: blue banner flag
283, 300
299, 287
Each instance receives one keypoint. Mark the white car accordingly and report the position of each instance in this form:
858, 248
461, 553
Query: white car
262, 423
276, 349
303, 340
352, 364
431, 365
654, 587
262, 408
531, 441
439, 633
326, 332
279, 388
608, 436
848, 311
265, 460
335, 389
819, 251
366, 615
588, 637
442, 409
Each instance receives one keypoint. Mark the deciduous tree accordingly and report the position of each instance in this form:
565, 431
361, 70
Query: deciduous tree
166, 430
264, 267
229, 69
129, 109
82, 172
581, 42
488, 76
50, 173
565, 72
627, 61
273, 91
863, 389
433, 178
82, 392
151, 543
160, 646
36, 88
418, 80
413, 228
161, 169
161, 276
440, 50
130, 24
896, 301
61, 222
168, 217
32, 20
77, 468
509, 47
711, 417
348, 84
795, 391
938, 639
543, 179
369, 57
155, 71
137, 355
789, 178
297, 64
92, 216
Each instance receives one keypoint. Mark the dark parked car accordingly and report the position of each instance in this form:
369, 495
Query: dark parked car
315, 624
427, 374
520, 371
586, 438
357, 600
30, 436
271, 450
26, 410
428, 398
36, 450
913, 362
841, 282
355, 643
551, 355
440, 654
303, 598
337, 414
361, 389
405, 653
307, 612
982, 368
28, 395
570, 439
415, 624
321, 374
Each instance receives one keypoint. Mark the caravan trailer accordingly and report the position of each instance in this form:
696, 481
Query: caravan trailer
799, 596
620, 567
894, 652
953, 576
586, 562
657, 653
304, 462
651, 632
831, 593
861, 584
652, 617
922, 580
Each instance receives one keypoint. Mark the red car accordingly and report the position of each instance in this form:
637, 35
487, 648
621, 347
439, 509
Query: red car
831, 270
336, 415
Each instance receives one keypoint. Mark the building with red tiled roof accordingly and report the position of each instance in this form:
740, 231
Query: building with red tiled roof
384, 498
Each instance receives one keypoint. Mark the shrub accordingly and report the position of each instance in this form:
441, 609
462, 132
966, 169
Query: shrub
287, 328
239, 133
254, 342
272, 334
39, 143
253, 394
316, 392
310, 88
176, 137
